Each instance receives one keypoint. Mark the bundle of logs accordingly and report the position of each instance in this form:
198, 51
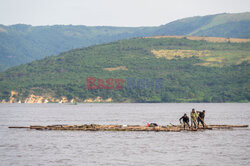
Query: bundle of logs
95, 127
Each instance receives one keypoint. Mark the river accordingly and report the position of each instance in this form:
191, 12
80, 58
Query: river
24, 147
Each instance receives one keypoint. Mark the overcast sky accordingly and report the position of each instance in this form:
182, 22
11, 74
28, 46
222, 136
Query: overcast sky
112, 12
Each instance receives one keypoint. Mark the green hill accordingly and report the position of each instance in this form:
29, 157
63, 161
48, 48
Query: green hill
153, 70
20, 44
219, 25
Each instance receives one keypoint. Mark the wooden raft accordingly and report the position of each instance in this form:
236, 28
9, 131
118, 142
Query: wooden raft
95, 127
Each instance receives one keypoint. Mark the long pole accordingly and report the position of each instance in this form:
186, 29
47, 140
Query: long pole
203, 121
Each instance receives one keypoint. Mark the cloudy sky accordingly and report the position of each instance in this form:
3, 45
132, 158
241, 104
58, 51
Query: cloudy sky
112, 12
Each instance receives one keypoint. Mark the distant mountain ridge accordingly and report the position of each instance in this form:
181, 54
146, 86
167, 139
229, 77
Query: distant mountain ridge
24, 43
219, 25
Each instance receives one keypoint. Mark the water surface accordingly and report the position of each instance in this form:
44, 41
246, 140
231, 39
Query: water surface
210, 147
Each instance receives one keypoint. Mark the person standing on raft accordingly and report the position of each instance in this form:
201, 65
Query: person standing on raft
201, 117
185, 120
194, 117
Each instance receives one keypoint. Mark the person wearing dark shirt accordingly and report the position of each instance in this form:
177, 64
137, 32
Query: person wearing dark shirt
201, 117
185, 120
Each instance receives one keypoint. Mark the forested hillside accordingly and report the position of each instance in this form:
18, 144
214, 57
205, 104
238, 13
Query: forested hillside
153, 70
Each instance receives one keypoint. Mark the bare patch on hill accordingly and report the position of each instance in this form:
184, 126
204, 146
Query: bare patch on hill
175, 54
209, 57
209, 39
116, 68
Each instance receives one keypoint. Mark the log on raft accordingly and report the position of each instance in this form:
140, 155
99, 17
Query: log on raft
95, 127
227, 126
18, 127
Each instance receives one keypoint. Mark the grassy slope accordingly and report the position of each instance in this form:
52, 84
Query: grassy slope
219, 25
224, 19
185, 79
